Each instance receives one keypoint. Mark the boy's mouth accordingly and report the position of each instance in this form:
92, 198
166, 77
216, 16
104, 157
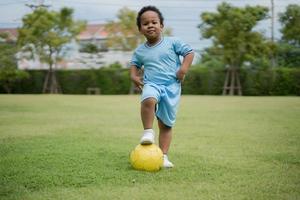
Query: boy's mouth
151, 31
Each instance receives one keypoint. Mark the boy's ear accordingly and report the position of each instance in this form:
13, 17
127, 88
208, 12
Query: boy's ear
161, 25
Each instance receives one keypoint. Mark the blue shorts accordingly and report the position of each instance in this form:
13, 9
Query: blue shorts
167, 97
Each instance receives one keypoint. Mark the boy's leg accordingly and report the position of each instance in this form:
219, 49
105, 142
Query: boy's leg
148, 112
165, 137
147, 115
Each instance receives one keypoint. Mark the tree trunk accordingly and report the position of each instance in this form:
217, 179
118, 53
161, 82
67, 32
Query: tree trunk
7, 87
232, 84
51, 84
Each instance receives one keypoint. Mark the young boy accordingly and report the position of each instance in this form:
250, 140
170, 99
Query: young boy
163, 74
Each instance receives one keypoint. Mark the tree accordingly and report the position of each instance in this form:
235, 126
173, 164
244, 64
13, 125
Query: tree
123, 33
210, 57
9, 73
231, 30
93, 52
290, 21
288, 53
89, 48
44, 34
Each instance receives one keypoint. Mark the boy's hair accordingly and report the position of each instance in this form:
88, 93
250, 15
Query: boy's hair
148, 8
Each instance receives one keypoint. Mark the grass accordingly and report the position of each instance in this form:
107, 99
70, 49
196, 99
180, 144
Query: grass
77, 147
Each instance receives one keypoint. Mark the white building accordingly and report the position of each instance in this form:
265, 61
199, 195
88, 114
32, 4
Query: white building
73, 57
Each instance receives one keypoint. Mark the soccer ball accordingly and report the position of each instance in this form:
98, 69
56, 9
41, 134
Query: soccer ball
146, 157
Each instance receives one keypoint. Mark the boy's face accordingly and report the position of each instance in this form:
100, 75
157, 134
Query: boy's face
151, 27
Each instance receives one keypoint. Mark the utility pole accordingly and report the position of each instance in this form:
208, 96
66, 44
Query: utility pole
272, 20
272, 31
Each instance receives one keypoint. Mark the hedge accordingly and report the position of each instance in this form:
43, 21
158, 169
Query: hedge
199, 80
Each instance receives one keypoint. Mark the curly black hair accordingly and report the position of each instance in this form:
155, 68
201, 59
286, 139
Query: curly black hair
148, 8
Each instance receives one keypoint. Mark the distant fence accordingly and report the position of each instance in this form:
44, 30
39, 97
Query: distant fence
204, 81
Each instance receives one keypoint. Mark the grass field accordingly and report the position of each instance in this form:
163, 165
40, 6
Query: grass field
77, 147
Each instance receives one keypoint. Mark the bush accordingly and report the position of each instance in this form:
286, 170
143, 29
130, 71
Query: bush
199, 80
110, 81
204, 81
286, 82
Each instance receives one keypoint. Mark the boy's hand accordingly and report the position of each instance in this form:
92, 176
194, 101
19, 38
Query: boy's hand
186, 63
180, 75
135, 77
137, 82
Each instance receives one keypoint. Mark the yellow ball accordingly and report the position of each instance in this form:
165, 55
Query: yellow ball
146, 157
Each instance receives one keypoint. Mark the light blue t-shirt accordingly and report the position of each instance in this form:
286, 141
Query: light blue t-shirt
161, 61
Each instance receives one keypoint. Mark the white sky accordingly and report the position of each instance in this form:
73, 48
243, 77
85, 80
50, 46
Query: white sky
182, 16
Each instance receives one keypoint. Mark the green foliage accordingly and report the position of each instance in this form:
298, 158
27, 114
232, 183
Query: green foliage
203, 80
286, 81
123, 33
9, 74
44, 33
8, 52
211, 58
231, 30
32, 85
288, 52
288, 55
256, 82
109, 80
90, 48
115, 65
279, 81
290, 21
199, 80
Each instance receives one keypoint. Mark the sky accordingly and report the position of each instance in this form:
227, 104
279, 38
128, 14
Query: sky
182, 16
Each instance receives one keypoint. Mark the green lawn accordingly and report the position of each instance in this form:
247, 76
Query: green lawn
77, 147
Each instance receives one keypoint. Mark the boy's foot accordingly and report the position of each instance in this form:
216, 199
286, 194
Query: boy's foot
167, 163
148, 137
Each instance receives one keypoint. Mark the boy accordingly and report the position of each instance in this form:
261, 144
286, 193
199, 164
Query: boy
163, 74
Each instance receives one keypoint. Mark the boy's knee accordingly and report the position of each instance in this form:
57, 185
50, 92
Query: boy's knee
149, 102
162, 125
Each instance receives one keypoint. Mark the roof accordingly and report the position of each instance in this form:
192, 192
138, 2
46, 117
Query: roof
12, 33
92, 31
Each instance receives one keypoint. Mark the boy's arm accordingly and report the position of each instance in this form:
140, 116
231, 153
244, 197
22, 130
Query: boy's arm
135, 77
186, 63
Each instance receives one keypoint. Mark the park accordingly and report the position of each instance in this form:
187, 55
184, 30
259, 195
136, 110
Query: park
77, 147
68, 132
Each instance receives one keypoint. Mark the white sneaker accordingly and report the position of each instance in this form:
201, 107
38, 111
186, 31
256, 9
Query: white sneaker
148, 137
167, 163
